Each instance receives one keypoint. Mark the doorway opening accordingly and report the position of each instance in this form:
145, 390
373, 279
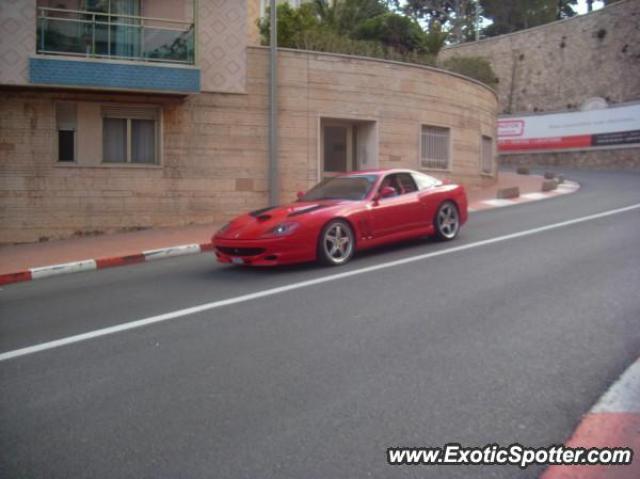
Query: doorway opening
347, 145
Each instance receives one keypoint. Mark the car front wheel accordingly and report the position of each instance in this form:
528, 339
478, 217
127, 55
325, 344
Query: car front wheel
447, 221
336, 243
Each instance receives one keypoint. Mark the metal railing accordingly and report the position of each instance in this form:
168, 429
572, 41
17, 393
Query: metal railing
114, 36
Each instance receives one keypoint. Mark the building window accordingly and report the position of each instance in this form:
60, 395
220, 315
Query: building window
66, 126
130, 135
435, 148
486, 155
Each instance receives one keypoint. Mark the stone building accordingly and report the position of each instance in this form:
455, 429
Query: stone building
127, 114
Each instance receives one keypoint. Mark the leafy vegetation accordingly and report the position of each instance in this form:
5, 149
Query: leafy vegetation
367, 28
473, 67
461, 18
507, 17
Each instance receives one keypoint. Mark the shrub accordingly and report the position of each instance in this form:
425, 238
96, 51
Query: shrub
477, 68
330, 42
318, 26
394, 31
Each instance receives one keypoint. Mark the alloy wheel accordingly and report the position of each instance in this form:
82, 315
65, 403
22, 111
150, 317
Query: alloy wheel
337, 243
448, 221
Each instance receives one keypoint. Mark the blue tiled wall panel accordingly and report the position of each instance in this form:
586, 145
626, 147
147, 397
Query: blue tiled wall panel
51, 71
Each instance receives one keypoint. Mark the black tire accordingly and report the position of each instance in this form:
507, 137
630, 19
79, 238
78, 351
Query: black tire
336, 243
447, 221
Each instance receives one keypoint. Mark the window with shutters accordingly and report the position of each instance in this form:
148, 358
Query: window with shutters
486, 155
435, 148
130, 135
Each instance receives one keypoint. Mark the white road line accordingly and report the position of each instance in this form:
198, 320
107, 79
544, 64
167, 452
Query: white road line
303, 284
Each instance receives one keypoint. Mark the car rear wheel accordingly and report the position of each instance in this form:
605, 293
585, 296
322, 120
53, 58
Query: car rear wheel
336, 243
447, 221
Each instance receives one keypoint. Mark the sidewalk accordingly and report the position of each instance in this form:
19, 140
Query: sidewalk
125, 248
34, 255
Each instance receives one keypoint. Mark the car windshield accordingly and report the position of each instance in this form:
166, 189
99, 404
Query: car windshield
341, 188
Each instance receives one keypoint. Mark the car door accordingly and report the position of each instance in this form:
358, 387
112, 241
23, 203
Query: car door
428, 193
396, 214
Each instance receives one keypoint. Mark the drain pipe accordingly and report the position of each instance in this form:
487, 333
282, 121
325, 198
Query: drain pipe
274, 184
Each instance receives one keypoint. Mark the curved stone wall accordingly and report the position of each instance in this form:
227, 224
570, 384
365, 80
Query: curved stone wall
214, 146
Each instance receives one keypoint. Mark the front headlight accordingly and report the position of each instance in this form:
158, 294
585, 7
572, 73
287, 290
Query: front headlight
283, 229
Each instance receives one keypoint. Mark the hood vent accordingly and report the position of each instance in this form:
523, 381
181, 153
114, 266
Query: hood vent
306, 210
258, 213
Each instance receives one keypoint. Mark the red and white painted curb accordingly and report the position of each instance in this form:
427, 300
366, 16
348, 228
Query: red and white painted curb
181, 250
613, 422
102, 263
562, 189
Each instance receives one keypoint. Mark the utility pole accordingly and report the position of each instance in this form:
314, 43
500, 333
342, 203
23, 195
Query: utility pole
477, 20
274, 183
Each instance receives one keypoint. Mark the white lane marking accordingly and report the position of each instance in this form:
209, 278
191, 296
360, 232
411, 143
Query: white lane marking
302, 284
65, 268
172, 251
624, 394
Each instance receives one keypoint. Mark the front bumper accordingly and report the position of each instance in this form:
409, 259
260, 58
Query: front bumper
264, 252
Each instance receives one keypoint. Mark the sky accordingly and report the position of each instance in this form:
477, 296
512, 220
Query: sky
582, 6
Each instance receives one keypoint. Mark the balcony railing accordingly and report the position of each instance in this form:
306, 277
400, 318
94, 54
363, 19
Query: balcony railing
114, 36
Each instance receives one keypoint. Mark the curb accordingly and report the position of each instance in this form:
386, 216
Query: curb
613, 422
103, 263
562, 189
187, 249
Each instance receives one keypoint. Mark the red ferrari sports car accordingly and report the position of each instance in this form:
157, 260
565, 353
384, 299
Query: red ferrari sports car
342, 214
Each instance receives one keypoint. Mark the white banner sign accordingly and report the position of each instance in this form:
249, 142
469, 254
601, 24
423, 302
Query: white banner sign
616, 125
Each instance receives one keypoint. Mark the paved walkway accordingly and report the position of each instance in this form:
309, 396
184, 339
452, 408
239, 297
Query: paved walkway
23, 257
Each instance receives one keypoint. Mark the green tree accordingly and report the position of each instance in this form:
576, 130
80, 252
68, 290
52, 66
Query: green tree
393, 30
345, 16
508, 17
455, 17
435, 39
292, 22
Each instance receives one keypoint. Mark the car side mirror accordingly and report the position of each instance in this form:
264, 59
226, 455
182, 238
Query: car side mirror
300, 195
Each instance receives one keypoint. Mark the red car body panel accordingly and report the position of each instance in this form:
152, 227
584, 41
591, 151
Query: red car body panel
246, 239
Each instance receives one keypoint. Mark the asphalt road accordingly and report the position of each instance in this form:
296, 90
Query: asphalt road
505, 342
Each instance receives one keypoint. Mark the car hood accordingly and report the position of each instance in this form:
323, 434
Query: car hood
258, 223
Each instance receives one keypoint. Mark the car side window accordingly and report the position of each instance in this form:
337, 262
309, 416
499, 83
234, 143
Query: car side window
406, 183
390, 180
424, 181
